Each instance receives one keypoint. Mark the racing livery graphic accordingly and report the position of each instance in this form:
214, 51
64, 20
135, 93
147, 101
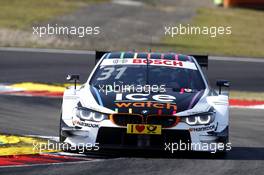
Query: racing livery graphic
145, 100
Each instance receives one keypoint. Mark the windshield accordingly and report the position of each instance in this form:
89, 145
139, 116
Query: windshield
170, 77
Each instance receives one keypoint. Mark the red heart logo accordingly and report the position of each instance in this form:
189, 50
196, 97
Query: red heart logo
140, 128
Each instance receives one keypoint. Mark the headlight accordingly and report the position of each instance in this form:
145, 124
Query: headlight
202, 119
87, 114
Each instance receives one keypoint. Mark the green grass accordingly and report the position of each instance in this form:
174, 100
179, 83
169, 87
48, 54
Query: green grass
247, 36
19, 14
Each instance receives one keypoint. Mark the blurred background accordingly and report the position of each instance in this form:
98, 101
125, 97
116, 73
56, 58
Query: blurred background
136, 24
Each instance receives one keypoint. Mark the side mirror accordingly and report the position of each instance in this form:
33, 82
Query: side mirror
222, 83
73, 77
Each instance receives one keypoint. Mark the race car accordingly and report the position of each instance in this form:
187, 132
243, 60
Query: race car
147, 101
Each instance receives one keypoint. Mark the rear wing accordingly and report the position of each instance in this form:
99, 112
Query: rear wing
202, 60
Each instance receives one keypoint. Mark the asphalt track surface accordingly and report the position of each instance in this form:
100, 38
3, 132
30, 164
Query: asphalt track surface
40, 116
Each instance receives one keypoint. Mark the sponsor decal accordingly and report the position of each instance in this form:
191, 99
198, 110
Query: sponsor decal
143, 129
160, 101
173, 63
206, 128
82, 123
147, 104
153, 62
120, 61
145, 97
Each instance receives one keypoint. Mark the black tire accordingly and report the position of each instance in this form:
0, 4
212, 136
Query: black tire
62, 138
225, 141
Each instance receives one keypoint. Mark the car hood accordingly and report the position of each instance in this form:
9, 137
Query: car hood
167, 103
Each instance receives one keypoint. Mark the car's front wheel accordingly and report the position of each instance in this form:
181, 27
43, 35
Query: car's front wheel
62, 138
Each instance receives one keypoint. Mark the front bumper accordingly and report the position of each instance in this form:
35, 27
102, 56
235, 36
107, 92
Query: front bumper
118, 138
171, 140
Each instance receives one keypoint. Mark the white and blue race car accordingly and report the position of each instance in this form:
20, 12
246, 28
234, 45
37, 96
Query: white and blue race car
146, 100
